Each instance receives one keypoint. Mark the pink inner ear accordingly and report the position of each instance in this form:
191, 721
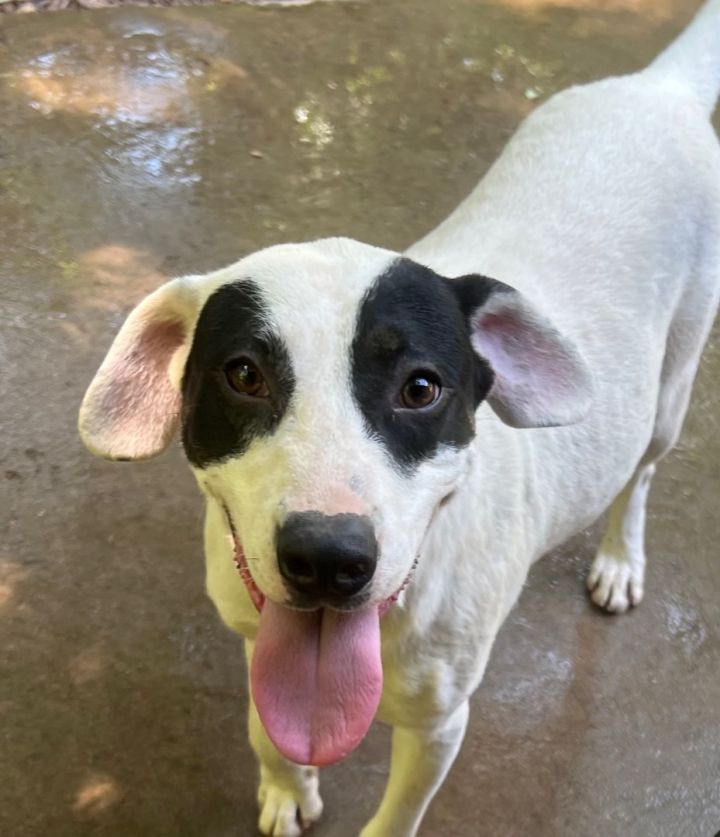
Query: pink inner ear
134, 410
539, 379
498, 338
518, 353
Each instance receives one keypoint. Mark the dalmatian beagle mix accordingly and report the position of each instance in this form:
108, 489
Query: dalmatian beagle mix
386, 442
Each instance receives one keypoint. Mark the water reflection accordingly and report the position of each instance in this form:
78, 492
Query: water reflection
12, 574
685, 624
540, 689
96, 795
656, 9
168, 156
119, 276
138, 94
133, 85
88, 665
314, 127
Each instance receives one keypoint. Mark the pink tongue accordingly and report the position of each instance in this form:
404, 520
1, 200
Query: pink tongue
316, 680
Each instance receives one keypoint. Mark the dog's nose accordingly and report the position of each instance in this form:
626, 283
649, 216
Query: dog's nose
327, 555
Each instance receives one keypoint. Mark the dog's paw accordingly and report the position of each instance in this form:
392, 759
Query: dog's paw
615, 584
287, 811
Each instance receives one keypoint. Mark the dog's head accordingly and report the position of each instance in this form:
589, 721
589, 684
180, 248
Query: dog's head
326, 396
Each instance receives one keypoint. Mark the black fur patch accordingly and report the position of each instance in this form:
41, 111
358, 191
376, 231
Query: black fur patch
218, 422
413, 320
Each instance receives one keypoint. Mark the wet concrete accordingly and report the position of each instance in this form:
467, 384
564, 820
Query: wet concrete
138, 144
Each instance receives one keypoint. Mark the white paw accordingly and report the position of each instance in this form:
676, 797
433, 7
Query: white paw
615, 584
287, 810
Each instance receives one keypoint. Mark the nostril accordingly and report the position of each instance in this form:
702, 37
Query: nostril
299, 570
352, 577
350, 573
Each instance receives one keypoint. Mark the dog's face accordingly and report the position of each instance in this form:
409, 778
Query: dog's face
326, 394
340, 383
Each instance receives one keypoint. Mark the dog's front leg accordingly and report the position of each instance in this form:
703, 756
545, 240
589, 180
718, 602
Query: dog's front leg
421, 758
288, 795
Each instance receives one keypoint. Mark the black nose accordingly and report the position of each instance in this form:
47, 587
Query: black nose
326, 555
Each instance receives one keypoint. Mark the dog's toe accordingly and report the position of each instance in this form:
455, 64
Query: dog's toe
287, 812
280, 815
614, 584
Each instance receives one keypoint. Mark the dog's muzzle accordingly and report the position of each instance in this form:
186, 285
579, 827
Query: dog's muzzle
326, 559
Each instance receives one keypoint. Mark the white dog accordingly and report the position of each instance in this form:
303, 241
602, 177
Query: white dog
352, 416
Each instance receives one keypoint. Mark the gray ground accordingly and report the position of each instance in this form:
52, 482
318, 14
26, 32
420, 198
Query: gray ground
141, 143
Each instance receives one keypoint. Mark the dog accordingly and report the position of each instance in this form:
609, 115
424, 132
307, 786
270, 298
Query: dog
386, 442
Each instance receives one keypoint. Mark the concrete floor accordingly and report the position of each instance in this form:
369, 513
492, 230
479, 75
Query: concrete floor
138, 144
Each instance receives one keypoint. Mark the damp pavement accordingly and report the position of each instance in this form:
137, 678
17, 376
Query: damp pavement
138, 144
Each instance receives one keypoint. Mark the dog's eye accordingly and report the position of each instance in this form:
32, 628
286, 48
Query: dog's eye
244, 377
422, 389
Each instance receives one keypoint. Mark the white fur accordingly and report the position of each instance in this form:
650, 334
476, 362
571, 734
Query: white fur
604, 211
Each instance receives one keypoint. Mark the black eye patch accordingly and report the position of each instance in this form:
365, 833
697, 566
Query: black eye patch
411, 320
217, 423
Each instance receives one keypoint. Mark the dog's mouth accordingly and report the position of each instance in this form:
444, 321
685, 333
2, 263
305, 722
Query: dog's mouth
256, 595
316, 675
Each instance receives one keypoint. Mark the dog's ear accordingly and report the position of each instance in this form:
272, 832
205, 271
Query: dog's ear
540, 379
131, 408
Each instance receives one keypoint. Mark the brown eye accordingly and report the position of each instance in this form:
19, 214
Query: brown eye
244, 377
420, 390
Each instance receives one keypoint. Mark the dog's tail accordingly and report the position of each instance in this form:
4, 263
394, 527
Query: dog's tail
693, 58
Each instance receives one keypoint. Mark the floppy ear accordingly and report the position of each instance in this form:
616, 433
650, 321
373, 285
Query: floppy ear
540, 379
131, 408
